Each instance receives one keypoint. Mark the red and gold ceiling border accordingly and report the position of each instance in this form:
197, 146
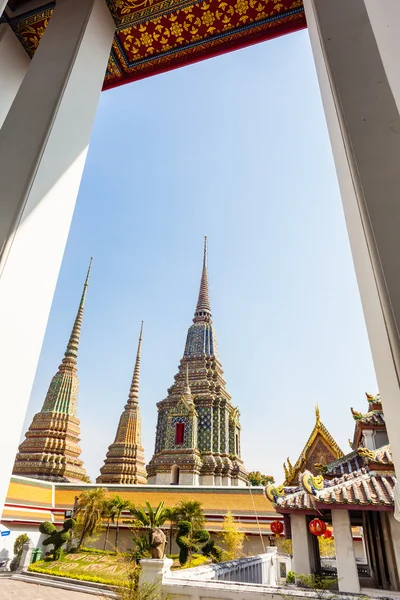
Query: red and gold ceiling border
154, 36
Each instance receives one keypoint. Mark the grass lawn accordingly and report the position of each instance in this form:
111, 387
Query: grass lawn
109, 569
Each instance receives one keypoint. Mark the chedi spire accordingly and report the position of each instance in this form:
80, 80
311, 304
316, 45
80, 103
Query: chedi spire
51, 447
124, 463
203, 308
198, 427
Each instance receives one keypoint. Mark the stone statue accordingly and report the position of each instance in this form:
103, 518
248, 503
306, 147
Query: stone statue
158, 541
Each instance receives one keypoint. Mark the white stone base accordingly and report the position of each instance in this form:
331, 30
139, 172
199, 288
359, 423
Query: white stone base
155, 569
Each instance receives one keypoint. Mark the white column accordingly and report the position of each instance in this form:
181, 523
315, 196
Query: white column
385, 21
301, 544
394, 527
43, 146
345, 556
369, 439
363, 120
14, 63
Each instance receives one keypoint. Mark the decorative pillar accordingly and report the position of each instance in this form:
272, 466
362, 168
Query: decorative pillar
301, 544
26, 555
345, 556
359, 82
14, 63
43, 146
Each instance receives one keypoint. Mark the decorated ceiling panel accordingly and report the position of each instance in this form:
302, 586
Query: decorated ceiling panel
153, 36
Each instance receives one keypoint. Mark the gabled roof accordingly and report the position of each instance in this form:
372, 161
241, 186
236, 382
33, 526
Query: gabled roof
320, 448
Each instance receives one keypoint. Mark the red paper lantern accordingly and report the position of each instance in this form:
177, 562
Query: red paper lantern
328, 534
277, 527
317, 527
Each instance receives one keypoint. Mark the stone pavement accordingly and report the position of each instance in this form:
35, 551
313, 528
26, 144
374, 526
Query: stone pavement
19, 590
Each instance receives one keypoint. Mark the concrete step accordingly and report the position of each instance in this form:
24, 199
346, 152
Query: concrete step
75, 585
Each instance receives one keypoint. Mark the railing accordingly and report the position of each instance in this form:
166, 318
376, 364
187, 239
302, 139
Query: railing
260, 569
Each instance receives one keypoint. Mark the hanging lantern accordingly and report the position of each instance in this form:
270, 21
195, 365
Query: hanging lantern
277, 527
328, 534
317, 527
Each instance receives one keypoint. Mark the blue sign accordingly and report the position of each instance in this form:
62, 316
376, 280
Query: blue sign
4, 533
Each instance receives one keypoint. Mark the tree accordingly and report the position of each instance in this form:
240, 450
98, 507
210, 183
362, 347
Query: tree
191, 512
118, 505
326, 546
89, 513
148, 518
56, 538
232, 537
109, 514
258, 479
18, 544
173, 518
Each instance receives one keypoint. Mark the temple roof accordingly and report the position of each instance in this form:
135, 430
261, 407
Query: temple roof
320, 448
354, 490
156, 36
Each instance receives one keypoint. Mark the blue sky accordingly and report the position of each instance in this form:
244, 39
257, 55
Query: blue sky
235, 148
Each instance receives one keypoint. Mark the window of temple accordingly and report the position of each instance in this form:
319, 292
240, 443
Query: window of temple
179, 433
175, 475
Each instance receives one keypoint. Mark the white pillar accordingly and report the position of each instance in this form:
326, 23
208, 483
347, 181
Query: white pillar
14, 63
345, 556
43, 146
369, 439
394, 527
301, 544
363, 120
154, 570
385, 21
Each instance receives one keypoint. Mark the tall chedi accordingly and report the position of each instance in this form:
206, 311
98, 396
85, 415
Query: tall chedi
198, 428
124, 462
51, 447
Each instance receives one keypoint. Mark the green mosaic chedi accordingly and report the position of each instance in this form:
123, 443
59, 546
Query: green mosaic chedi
51, 448
198, 428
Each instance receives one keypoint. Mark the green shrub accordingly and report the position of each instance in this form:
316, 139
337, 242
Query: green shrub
290, 577
196, 561
56, 538
38, 568
189, 542
96, 551
213, 551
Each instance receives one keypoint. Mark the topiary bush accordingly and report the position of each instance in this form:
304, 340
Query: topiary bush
188, 541
212, 550
57, 538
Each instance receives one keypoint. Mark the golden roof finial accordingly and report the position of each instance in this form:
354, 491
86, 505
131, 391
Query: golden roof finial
317, 414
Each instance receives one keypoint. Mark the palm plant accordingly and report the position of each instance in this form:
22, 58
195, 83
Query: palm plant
173, 518
148, 518
191, 512
109, 514
89, 512
119, 505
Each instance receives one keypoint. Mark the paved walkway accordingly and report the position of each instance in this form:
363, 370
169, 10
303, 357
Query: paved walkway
19, 590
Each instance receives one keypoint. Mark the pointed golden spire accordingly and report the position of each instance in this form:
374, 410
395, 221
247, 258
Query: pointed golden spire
317, 414
133, 397
71, 353
203, 308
